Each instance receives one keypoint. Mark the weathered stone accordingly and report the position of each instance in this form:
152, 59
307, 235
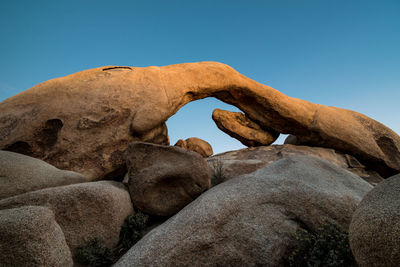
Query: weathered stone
163, 179
243, 161
84, 211
30, 236
77, 122
20, 174
197, 145
291, 140
238, 126
375, 226
252, 220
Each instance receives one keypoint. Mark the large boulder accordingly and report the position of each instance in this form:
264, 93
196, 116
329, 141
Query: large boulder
164, 179
197, 145
231, 164
84, 211
84, 121
238, 126
252, 220
30, 236
20, 174
375, 226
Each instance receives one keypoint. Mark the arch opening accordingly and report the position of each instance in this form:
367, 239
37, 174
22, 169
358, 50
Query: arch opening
194, 120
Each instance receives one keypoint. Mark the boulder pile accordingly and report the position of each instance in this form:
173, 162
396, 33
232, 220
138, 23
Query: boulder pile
67, 144
251, 220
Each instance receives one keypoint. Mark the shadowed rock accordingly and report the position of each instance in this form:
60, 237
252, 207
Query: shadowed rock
291, 140
30, 236
20, 174
84, 121
238, 126
84, 211
248, 160
252, 220
164, 179
374, 231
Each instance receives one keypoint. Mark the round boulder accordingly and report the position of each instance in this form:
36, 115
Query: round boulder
375, 226
197, 145
164, 179
84, 211
20, 174
30, 236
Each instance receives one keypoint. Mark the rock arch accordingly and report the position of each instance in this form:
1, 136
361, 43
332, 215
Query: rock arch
134, 103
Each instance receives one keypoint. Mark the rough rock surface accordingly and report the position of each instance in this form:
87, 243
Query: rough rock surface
83, 211
164, 179
375, 226
238, 126
197, 145
30, 236
84, 121
243, 161
20, 174
291, 140
251, 220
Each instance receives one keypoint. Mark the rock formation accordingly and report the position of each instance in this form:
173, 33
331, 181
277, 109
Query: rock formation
238, 126
375, 226
197, 145
164, 179
20, 174
291, 140
84, 211
252, 220
84, 121
247, 160
30, 236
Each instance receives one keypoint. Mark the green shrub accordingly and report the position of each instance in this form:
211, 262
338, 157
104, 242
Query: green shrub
132, 230
328, 246
218, 173
94, 254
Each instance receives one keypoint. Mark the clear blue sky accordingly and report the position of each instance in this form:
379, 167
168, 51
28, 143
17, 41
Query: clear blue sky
332, 52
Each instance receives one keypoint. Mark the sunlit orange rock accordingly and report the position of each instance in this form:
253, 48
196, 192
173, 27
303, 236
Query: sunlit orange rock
197, 145
84, 121
238, 126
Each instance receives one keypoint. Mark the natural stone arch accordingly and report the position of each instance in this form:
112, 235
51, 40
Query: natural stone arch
104, 109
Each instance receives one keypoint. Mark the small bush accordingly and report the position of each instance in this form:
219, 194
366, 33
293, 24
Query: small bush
94, 254
218, 173
132, 230
329, 247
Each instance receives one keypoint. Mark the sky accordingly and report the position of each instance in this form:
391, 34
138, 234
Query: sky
333, 52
